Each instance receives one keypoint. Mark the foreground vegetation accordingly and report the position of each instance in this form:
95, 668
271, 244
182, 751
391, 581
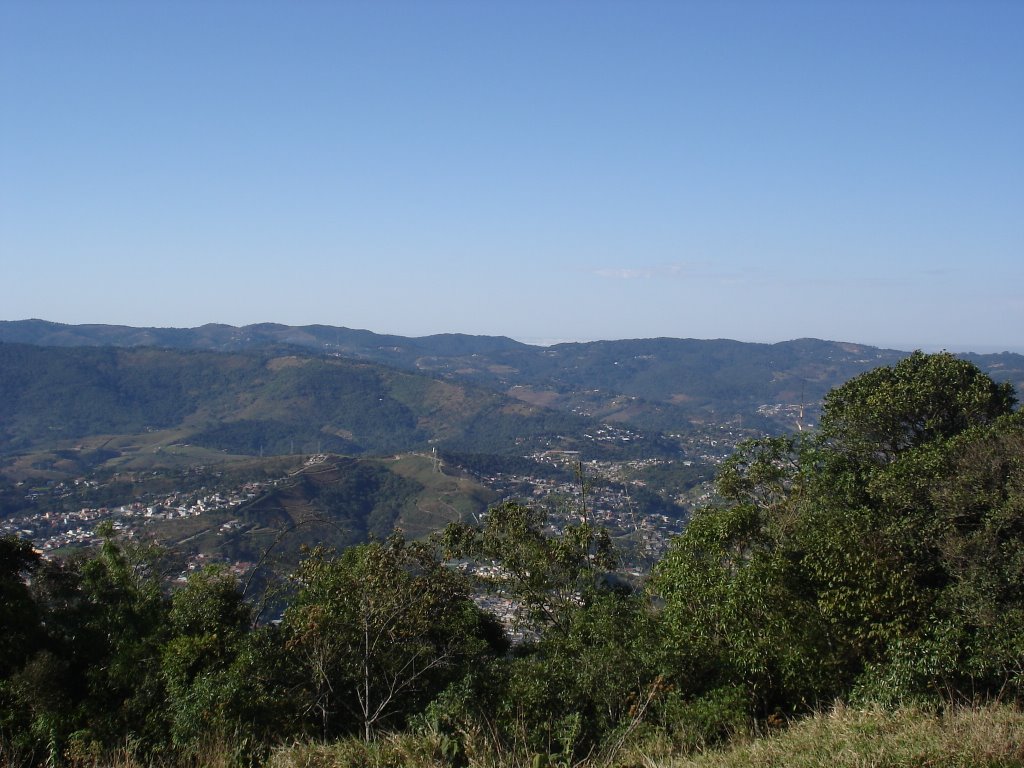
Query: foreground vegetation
989, 736
878, 563
983, 737
986, 737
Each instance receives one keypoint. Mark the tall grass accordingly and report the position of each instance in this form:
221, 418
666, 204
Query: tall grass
216, 752
985, 737
990, 736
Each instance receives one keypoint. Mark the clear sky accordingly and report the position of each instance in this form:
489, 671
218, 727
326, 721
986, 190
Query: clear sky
546, 170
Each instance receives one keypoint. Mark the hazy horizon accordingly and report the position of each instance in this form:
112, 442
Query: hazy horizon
548, 341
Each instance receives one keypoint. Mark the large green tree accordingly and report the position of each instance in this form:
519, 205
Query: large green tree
378, 631
545, 576
880, 414
19, 615
209, 690
91, 673
584, 666
882, 555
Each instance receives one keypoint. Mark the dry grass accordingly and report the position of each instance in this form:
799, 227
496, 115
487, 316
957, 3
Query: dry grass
985, 737
389, 750
215, 752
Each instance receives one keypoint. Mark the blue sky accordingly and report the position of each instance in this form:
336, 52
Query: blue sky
543, 170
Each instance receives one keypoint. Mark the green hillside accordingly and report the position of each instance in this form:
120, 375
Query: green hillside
255, 403
663, 384
332, 500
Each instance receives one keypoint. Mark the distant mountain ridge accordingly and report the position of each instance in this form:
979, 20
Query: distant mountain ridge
254, 402
660, 385
229, 338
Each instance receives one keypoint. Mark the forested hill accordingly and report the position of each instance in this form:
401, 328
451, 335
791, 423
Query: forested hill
255, 402
664, 384
228, 338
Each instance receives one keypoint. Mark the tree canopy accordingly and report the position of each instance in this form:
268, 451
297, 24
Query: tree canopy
881, 556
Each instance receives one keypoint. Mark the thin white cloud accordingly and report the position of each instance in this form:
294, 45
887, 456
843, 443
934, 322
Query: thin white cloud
624, 274
645, 273
691, 272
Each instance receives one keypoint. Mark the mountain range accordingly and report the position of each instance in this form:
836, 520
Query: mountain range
267, 388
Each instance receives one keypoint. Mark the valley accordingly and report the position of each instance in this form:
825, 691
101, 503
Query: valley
238, 511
